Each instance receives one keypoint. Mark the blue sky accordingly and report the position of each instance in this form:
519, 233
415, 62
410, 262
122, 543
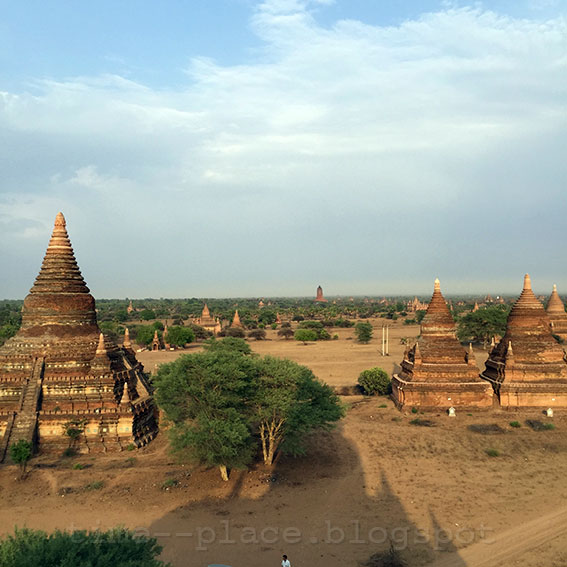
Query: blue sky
247, 148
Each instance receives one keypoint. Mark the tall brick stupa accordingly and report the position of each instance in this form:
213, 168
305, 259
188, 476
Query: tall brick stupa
527, 368
557, 316
60, 370
438, 372
320, 297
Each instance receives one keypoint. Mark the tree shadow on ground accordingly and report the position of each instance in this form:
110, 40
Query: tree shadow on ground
318, 509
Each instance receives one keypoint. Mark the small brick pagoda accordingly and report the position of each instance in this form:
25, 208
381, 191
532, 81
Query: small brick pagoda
557, 316
208, 322
60, 370
527, 367
437, 372
236, 321
319, 297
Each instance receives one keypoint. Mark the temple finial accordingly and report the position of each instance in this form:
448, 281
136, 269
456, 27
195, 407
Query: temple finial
527, 282
127, 343
101, 349
60, 219
554, 287
437, 285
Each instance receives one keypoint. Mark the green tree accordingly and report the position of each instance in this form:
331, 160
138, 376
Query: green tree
204, 396
74, 428
285, 332
267, 317
229, 344
305, 335
20, 453
115, 548
480, 326
235, 332
179, 336
363, 332
258, 334
147, 314
289, 403
374, 381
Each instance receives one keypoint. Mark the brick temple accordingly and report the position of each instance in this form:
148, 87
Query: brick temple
60, 370
557, 316
320, 297
527, 368
437, 372
208, 322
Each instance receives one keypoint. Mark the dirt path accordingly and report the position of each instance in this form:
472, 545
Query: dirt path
510, 544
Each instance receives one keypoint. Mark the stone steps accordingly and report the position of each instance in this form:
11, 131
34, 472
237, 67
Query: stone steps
24, 423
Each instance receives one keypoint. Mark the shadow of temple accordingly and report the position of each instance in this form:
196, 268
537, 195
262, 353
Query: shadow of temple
317, 509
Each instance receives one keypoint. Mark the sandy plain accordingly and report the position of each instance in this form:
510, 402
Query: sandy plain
432, 491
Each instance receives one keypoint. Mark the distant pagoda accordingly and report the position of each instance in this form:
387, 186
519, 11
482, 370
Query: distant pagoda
208, 322
527, 367
236, 320
557, 316
437, 372
59, 368
320, 298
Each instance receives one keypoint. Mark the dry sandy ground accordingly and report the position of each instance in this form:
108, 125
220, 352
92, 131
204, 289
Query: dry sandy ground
336, 362
432, 490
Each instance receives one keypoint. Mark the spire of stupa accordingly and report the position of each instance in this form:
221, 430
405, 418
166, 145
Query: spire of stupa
555, 305
127, 342
236, 320
438, 319
59, 270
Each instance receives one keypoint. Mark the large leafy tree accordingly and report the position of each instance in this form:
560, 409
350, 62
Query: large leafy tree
224, 402
115, 548
289, 403
480, 326
204, 395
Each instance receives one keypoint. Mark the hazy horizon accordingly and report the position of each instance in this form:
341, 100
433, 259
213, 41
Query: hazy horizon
229, 148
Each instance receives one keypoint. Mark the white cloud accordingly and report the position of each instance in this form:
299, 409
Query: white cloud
349, 143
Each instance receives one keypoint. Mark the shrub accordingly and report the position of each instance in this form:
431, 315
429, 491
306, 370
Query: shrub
78, 467
515, 424
236, 332
492, 452
363, 332
537, 425
258, 334
118, 547
169, 483
414, 410
335, 337
274, 326
374, 381
305, 335
20, 453
95, 485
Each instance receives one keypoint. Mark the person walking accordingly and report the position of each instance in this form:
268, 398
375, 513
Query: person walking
285, 561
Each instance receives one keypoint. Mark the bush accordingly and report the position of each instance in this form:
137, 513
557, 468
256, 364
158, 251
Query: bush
20, 453
119, 548
515, 424
363, 332
96, 485
258, 334
305, 335
285, 332
492, 452
374, 381
236, 332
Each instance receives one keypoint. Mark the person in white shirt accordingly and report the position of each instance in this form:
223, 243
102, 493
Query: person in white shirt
285, 562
